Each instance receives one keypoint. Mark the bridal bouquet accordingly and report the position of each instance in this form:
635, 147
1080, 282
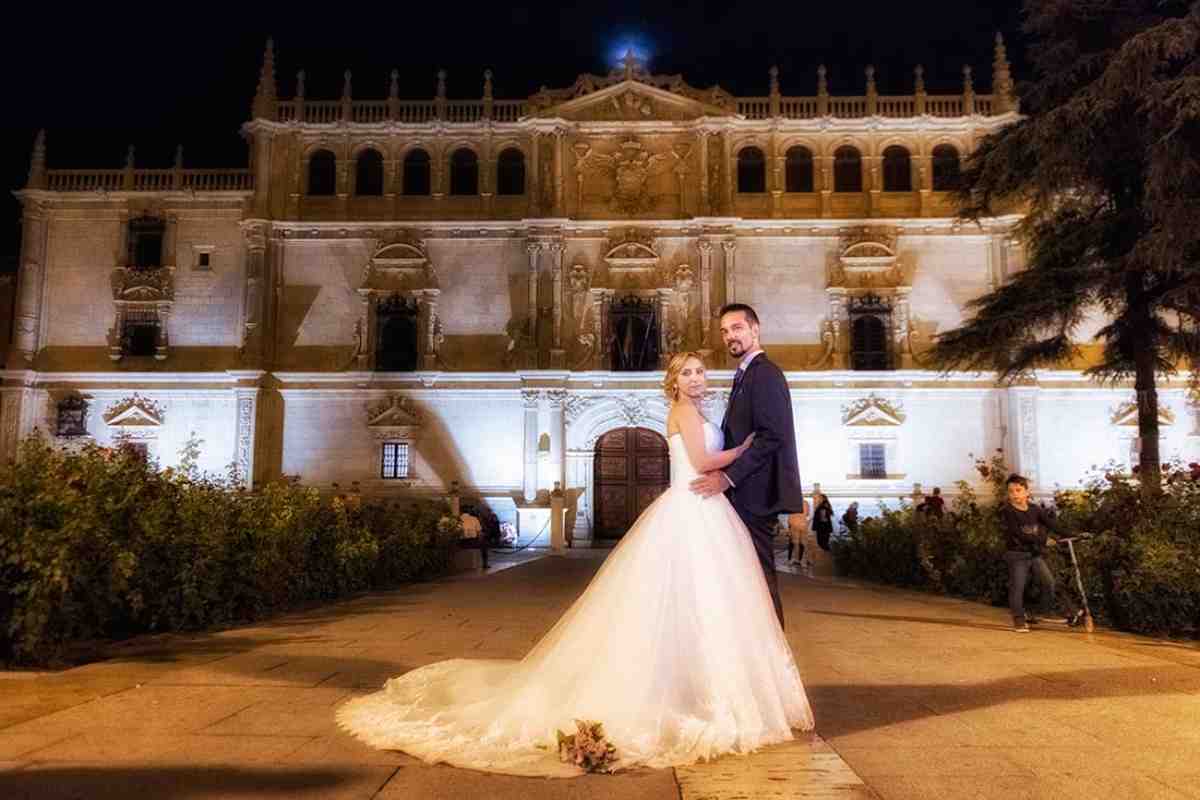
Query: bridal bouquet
587, 748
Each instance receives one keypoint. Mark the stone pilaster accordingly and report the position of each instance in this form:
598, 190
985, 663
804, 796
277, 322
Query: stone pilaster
255, 234
1023, 423
559, 168
531, 398
557, 353
558, 401
706, 311
31, 278
533, 249
246, 440
730, 247
262, 171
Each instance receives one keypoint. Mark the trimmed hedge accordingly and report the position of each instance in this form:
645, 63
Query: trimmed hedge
98, 544
1141, 572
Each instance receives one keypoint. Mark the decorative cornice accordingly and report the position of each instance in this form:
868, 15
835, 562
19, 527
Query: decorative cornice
873, 410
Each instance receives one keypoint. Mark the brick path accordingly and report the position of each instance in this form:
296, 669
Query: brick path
915, 697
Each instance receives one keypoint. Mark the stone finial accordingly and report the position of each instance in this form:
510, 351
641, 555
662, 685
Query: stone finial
968, 91
919, 79
872, 92
346, 93
37, 163
300, 85
1002, 83
487, 84
394, 86
265, 96
129, 157
179, 156
822, 82
773, 72
441, 84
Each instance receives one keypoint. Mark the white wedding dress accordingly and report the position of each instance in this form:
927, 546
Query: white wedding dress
674, 647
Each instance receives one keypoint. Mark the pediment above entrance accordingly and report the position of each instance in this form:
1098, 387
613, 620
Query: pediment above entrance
630, 94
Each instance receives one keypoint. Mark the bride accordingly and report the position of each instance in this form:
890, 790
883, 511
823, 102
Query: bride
674, 647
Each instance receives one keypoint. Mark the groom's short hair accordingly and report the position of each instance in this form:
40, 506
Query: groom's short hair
729, 308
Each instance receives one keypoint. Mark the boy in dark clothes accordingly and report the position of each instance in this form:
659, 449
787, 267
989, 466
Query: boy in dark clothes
1025, 529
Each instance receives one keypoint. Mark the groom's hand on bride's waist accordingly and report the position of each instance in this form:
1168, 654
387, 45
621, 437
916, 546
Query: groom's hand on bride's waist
710, 483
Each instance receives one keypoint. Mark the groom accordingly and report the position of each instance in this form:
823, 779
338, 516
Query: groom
765, 480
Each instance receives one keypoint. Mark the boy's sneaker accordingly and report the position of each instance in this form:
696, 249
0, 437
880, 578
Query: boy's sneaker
1076, 619
1020, 627
1032, 620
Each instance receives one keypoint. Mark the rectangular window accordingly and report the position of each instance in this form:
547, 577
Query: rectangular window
203, 260
394, 461
872, 462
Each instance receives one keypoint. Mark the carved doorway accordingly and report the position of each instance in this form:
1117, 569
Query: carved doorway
631, 470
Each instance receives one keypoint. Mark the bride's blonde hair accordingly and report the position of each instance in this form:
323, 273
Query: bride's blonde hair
670, 382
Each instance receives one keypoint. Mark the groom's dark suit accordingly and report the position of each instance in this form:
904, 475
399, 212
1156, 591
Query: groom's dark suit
766, 478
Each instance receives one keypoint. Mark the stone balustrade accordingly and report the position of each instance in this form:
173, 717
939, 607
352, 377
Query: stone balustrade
149, 180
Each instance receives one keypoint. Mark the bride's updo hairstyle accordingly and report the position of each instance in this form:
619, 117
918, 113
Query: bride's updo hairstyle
670, 382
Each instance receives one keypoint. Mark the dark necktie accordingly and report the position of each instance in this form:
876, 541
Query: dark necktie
737, 382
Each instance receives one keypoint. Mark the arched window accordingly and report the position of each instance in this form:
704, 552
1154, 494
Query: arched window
751, 171
322, 173
798, 170
464, 172
897, 169
847, 170
416, 173
510, 172
368, 173
946, 168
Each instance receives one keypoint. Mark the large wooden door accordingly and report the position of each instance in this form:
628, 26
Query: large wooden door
631, 469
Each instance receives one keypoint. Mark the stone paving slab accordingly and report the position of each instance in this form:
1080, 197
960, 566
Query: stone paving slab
915, 696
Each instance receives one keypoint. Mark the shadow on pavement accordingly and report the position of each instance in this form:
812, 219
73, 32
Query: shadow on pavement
842, 710
165, 782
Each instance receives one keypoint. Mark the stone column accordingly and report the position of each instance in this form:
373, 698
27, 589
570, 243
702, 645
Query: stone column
246, 401
922, 164
344, 163
705, 208
530, 398
27, 308
706, 312
534, 178
726, 176
533, 248
600, 299
729, 246
262, 172
557, 353
558, 428
824, 178
664, 324
559, 208
874, 185
777, 177
429, 320
255, 235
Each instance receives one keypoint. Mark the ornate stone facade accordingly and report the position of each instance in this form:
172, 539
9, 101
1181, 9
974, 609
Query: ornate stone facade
465, 257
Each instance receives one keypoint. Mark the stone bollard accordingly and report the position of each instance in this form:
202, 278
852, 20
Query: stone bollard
558, 539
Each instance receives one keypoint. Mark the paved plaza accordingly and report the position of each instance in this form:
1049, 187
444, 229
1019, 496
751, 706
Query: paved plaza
915, 696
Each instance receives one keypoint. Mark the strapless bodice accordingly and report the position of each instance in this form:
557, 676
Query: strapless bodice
682, 471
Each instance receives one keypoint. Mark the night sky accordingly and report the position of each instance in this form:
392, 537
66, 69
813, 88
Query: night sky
138, 74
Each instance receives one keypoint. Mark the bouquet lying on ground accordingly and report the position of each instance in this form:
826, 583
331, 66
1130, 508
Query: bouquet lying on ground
587, 748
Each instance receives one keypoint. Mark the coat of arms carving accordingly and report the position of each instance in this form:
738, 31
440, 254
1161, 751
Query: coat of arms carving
629, 169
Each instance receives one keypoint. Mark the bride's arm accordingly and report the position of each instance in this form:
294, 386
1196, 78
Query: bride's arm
691, 427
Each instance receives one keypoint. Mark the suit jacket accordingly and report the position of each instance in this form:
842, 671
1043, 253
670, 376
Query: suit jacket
766, 478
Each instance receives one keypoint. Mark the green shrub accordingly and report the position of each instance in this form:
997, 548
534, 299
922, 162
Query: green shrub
99, 544
1141, 571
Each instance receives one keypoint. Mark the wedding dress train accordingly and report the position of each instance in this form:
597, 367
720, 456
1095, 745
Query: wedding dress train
674, 647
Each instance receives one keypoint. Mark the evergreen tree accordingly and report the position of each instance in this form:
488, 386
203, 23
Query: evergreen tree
1104, 165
